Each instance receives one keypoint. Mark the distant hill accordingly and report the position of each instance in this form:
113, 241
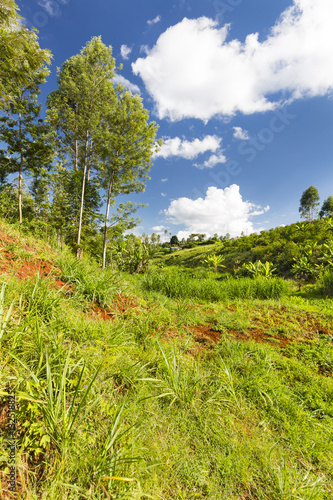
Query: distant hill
279, 246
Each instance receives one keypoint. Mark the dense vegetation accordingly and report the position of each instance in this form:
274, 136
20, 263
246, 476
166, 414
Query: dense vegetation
139, 372
130, 386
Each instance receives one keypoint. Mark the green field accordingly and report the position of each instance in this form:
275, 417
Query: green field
172, 385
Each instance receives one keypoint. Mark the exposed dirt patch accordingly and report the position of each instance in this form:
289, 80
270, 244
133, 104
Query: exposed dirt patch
26, 269
207, 336
168, 335
5, 239
121, 305
259, 336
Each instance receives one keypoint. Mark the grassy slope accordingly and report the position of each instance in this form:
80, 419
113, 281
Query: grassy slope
280, 246
187, 400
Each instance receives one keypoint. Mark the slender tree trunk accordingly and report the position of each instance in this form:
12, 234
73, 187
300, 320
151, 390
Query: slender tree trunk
90, 158
76, 156
79, 251
20, 171
106, 222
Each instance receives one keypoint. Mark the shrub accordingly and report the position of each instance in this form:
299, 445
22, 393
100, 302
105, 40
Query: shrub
325, 284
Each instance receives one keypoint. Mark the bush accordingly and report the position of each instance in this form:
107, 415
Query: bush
325, 284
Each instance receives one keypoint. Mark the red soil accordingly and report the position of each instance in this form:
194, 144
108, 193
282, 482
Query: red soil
25, 268
120, 306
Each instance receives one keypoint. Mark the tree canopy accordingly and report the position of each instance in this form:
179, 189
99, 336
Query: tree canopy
309, 203
327, 208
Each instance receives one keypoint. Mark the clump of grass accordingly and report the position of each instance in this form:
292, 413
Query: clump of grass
89, 283
38, 298
177, 285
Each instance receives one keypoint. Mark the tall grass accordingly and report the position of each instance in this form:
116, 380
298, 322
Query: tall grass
177, 285
89, 283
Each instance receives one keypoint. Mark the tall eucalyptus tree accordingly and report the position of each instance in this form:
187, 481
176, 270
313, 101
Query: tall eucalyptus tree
126, 145
76, 110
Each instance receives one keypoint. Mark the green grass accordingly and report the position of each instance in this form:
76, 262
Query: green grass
179, 285
89, 283
137, 408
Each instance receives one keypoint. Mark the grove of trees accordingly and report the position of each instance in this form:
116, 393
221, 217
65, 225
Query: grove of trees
95, 143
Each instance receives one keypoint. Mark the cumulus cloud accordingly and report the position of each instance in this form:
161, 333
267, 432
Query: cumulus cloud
188, 149
125, 51
158, 228
194, 71
241, 134
131, 86
154, 21
221, 211
163, 194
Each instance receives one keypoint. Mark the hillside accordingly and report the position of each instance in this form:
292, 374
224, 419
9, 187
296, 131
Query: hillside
150, 386
280, 246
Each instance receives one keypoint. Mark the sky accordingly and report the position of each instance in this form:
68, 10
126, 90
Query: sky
242, 92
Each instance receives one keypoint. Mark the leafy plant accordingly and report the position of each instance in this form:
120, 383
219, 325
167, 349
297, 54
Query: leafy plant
214, 261
264, 269
61, 418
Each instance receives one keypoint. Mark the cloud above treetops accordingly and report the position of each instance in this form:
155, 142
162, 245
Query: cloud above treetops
189, 150
195, 70
222, 211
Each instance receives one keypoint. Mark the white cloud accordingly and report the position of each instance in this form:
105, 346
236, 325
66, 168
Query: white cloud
154, 21
52, 8
158, 228
188, 149
131, 86
163, 194
125, 51
222, 211
193, 71
164, 180
212, 161
241, 134
144, 49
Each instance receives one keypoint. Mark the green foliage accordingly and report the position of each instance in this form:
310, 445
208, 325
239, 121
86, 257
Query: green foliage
214, 261
60, 419
125, 145
170, 412
308, 203
174, 242
327, 208
28, 147
89, 283
264, 269
325, 284
178, 285
21, 55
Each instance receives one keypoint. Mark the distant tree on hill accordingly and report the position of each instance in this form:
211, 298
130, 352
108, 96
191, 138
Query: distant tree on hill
174, 242
327, 208
309, 203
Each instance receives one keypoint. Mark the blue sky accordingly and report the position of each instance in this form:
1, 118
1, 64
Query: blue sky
241, 91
